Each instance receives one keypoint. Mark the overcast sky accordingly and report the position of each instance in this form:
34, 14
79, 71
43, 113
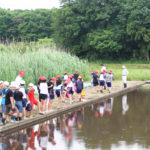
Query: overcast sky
28, 4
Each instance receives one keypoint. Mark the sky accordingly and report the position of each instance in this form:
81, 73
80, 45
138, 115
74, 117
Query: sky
29, 4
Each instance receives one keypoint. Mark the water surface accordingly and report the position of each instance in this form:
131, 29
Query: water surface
119, 123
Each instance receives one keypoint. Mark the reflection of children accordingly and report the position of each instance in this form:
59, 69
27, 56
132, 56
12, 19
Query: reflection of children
102, 109
109, 105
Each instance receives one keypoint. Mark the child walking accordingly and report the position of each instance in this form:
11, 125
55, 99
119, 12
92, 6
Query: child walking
109, 81
43, 95
51, 92
24, 101
58, 90
80, 87
32, 99
102, 82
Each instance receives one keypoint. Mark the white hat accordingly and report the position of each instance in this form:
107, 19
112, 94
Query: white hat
17, 87
31, 84
1, 82
22, 82
123, 67
6, 83
13, 84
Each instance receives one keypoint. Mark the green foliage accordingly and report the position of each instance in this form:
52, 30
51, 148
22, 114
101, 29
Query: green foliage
37, 61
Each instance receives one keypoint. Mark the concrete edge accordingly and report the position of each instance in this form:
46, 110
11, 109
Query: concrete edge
14, 127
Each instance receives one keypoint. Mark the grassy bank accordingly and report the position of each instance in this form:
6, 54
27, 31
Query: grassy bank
37, 61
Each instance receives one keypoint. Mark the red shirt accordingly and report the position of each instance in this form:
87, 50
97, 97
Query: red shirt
31, 96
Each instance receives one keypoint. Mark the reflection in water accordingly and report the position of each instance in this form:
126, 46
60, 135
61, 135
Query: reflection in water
125, 105
108, 125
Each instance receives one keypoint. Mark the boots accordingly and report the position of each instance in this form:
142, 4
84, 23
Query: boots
125, 85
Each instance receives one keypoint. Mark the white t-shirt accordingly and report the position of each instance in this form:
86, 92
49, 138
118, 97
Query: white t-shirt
22, 89
71, 85
125, 72
18, 80
103, 69
101, 77
66, 77
59, 87
43, 88
44, 141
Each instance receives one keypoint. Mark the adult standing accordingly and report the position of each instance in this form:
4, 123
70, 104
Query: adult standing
124, 76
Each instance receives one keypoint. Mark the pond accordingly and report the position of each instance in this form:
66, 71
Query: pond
119, 123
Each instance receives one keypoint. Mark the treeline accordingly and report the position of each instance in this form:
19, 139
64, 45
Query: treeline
25, 25
94, 29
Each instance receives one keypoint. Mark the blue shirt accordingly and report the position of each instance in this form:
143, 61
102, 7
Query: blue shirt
3, 94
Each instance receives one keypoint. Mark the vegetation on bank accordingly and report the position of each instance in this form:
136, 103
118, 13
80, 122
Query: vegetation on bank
44, 59
37, 60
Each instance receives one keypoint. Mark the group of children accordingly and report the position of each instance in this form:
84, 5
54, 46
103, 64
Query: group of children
102, 78
17, 100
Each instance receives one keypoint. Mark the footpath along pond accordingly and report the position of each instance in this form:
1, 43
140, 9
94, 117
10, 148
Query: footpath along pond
119, 123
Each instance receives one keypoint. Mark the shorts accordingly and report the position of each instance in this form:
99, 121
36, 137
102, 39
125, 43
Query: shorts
102, 83
3, 108
108, 84
8, 108
71, 92
51, 96
95, 83
19, 106
43, 96
24, 103
58, 93
79, 91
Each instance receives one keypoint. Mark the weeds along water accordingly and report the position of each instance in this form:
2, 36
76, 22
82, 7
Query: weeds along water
37, 60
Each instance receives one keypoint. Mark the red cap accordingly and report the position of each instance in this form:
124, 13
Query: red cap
65, 72
39, 78
110, 72
81, 75
43, 78
76, 70
70, 76
102, 72
58, 77
21, 73
96, 72
54, 79
66, 82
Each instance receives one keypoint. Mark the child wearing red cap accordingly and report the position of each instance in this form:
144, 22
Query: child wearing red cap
32, 99
76, 76
108, 81
43, 94
70, 88
65, 76
101, 82
58, 91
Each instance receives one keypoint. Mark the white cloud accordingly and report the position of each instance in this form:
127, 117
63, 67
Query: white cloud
28, 4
